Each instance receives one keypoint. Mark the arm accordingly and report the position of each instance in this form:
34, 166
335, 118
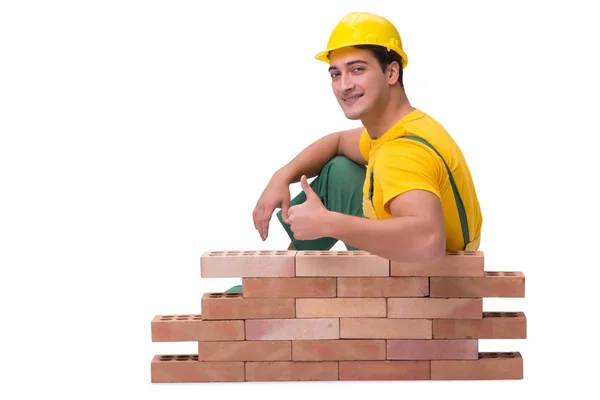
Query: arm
416, 233
350, 145
408, 175
312, 159
308, 162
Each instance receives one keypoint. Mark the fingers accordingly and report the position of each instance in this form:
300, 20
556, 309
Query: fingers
285, 205
255, 216
264, 223
261, 218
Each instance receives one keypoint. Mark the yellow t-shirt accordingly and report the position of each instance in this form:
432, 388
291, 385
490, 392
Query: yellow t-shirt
398, 165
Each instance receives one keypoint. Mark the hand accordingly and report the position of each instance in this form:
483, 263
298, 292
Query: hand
275, 195
309, 219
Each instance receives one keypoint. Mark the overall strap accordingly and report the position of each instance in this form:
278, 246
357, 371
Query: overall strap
459, 204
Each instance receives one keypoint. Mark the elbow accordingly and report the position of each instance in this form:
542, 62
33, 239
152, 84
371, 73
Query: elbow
433, 246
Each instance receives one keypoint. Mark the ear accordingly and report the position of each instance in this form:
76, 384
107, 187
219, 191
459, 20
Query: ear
393, 70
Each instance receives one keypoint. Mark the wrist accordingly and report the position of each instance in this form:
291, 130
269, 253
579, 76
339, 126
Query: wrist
282, 175
331, 223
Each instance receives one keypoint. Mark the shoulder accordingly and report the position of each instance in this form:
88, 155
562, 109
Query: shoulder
408, 149
364, 144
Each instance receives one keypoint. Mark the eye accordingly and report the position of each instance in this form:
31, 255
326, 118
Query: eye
334, 74
357, 69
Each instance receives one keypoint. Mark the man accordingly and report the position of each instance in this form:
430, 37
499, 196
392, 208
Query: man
415, 199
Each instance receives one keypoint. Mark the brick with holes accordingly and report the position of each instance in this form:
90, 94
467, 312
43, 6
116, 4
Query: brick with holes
492, 325
241, 264
431, 349
426, 307
384, 370
191, 328
341, 307
247, 350
289, 287
185, 368
233, 306
293, 329
454, 263
339, 349
385, 328
492, 284
488, 366
340, 263
400, 286
291, 371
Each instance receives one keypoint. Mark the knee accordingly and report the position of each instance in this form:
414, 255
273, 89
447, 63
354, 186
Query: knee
342, 165
339, 160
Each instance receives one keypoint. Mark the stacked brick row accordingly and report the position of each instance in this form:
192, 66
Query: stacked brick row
344, 315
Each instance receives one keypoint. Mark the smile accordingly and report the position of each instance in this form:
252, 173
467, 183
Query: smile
351, 99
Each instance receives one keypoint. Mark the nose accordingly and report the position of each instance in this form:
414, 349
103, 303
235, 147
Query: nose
346, 83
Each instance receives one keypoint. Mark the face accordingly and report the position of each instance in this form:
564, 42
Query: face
359, 84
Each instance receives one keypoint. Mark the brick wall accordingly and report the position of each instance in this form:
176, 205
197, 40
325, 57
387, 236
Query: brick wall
344, 315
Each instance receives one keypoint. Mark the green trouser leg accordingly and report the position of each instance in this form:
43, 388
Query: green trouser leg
234, 289
339, 185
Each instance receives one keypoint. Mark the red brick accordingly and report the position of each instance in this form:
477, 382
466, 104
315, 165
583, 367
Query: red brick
230, 306
293, 329
493, 325
191, 328
336, 350
384, 370
241, 264
341, 307
489, 366
435, 308
249, 350
492, 284
432, 349
180, 368
340, 263
454, 263
289, 287
385, 328
291, 371
383, 287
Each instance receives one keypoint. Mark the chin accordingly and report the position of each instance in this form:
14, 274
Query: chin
353, 115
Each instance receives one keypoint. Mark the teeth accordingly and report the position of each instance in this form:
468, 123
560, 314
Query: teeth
351, 98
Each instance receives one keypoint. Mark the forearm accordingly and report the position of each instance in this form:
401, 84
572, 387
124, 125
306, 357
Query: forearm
312, 159
403, 239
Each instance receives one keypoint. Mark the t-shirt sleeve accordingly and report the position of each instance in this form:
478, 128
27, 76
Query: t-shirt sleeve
404, 165
364, 145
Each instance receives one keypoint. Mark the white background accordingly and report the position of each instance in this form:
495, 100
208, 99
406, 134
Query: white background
126, 135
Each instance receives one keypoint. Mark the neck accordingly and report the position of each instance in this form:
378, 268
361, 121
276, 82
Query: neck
381, 120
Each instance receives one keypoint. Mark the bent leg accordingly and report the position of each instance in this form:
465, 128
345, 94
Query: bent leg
339, 185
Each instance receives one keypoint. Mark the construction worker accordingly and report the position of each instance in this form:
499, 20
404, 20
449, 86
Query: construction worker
398, 186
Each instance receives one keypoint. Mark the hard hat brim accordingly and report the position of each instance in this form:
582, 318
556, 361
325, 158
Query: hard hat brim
323, 56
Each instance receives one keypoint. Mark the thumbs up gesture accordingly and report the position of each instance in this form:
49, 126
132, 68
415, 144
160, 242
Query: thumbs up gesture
308, 220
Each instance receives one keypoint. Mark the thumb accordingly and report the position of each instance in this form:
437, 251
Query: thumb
306, 187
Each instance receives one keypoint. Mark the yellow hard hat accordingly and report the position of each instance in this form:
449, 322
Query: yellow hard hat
358, 28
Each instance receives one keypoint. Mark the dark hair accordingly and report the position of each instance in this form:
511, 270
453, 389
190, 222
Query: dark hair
384, 57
